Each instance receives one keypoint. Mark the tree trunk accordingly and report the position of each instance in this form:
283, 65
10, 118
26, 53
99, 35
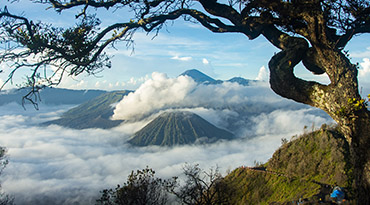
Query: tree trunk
340, 99
360, 155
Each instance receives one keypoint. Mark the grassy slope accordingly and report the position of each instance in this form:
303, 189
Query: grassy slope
300, 168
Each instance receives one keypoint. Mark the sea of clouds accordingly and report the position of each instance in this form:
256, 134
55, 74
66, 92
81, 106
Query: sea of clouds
57, 165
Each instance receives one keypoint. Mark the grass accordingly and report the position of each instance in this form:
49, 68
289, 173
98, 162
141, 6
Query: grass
300, 168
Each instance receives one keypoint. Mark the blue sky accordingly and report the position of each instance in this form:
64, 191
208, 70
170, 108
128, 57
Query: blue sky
179, 47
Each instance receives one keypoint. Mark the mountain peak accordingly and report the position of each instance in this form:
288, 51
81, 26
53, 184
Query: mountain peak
198, 76
177, 128
241, 81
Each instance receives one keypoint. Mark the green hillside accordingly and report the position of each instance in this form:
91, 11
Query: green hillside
177, 128
94, 113
307, 168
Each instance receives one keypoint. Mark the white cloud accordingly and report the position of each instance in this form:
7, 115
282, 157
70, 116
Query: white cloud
81, 83
132, 81
228, 105
188, 58
155, 93
136, 81
287, 121
92, 81
262, 74
119, 84
161, 92
365, 68
205, 61
63, 166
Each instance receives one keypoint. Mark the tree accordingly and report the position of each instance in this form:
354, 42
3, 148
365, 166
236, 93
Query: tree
4, 198
201, 187
313, 32
141, 188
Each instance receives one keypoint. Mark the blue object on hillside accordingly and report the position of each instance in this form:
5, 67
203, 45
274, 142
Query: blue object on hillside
337, 193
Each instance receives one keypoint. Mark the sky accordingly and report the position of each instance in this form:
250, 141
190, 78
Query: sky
179, 47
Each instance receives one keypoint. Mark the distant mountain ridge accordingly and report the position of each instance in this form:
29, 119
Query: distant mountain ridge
51, 96
94, 113
178, 128
202, 78
241, 81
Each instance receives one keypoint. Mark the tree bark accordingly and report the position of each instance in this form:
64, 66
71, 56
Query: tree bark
360, 153
340, 99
